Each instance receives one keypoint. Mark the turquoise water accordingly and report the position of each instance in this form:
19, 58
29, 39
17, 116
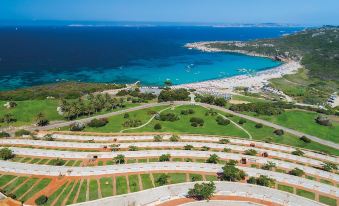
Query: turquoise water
39, 55
180, 70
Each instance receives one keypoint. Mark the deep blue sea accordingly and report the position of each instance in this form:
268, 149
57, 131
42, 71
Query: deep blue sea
38, 55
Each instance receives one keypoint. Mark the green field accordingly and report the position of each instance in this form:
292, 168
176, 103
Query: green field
115, 122
304, 121
26, 111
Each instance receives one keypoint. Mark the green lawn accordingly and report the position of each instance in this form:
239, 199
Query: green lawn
133, 181
177, 178
285, 188
26, 111
304, 121
307, 194
327, 200
83, 190
26, 186
18, 181
93, 189
146, 181
195, 177
6, 179
55, 194
211, 178
40, 186
121, 185
73, 193
115, 122
106, 185
64, 194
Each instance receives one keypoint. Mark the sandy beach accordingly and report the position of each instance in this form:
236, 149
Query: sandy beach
228, 84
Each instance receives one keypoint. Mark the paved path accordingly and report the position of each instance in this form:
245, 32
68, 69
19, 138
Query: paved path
158, 195
35, 169
254, 119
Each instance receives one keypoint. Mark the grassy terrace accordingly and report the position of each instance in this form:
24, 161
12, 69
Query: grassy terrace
26, 111
304, 121
85, 189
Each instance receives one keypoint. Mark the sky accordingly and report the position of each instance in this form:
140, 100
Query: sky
309, 12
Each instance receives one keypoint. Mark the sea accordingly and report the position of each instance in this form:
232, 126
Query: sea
115, 54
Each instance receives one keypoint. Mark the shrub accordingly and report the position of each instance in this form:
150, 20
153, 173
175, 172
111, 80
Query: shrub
231, 162
22, 132
119, 159
222, 121
174, 138
162, 179
226, 149
214, 159
157, 138
164, 158
188, 147
197, 122
4, 134
259, 125
97, 122
187, 111
279, 132
262, 180
157, 126
242, 121
77, 126
48, 137
132, 123
221, 102
58, 162
329, 166
203, 191
211, 112
171, 117
224, 141
6, 154
296, 172
298, 152
133, 148
268, 166
126, 115
231, 173
305, 139
251, 152
322, 120
173, 95
41, 200
205, 148
42, 122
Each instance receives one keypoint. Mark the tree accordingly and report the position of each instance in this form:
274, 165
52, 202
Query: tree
279, 132
6, 154
188, 147
157, 138
48, 137
164, 158
242, 121
126, 115
268, 166
22, 132
77, 126
214, 159
262, 180
296, 172
41, 120
58, 162
98, 122
174, 138
133, 148
119, 159
168, 83
305, 139
115, 147
8, 118
157, 126
41, 200
231, 173
259, 125
329, 166
203, 191
205, 148
162, 180
196, 122
251, 152
222, 121
4, 134
221, 102
224, 141
226, 149
298, 152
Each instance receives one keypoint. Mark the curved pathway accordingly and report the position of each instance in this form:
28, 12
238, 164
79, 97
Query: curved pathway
254, 119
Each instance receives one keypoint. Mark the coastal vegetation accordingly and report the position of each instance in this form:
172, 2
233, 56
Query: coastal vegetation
65, 90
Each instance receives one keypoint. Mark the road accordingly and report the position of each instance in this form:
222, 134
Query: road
254, 119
